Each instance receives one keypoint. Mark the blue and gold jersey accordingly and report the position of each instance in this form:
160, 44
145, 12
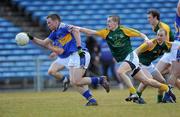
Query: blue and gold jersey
177, 27
63, 38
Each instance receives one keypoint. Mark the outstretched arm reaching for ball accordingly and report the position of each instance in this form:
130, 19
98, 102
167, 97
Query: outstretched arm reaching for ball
46, 43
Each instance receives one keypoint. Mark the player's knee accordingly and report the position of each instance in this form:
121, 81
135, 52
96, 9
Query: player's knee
75, 83
121, 71
51, 72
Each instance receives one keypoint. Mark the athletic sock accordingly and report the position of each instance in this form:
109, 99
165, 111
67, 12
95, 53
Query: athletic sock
132, 90
164, 87
96, 80
159, 98
87, 94
139, 94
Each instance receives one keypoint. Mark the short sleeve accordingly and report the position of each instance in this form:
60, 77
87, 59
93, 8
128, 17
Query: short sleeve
103, 33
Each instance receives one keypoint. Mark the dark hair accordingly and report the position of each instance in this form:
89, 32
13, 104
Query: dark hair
54, 17
155, 13
115, 18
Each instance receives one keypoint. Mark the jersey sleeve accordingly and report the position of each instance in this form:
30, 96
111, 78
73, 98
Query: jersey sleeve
167, 29
51, 36
103, 33
142, 48
131, 32
66, 27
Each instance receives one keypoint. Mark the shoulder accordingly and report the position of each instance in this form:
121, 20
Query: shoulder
105, 30
164, 26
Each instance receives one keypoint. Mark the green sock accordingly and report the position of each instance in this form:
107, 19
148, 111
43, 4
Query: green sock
139, 94
159, 98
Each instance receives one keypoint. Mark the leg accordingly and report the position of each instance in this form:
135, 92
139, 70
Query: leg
178, 83
54, 68
175, 74
141, 86
163, 67
158, 76
76, 75
162, 87
122, 71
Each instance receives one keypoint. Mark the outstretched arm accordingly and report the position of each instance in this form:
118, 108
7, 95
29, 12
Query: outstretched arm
88, 31
46, 43
178, 8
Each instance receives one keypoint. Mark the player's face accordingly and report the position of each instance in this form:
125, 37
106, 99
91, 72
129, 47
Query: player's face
151, 19
52, 24
161, 36
111, 25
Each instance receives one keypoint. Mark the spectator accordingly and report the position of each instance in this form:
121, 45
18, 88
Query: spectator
107, 61
94, 50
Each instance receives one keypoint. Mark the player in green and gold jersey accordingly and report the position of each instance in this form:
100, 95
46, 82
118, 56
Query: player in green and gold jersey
118, 39
153, 16
148, 54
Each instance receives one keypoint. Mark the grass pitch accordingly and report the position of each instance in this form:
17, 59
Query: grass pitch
71, 104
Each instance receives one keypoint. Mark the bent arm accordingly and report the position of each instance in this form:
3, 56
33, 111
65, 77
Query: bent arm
146, 39
47, 43
142, 48
77, 36
44, 43
142, 35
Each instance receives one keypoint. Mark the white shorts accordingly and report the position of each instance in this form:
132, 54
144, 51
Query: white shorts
151, 68
166, 58
62, 61
175, 51
133, 58
74, 60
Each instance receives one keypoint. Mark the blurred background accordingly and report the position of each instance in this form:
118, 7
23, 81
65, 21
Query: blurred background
26, 67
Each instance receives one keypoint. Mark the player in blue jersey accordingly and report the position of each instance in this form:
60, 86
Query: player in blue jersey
175, 74
66, 43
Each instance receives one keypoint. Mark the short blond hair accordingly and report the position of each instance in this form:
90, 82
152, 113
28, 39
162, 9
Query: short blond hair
115, 18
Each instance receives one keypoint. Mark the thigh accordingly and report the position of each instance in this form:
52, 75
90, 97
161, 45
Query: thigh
55, 66
74, 60
146, 72
124, 67
175, 69
158, 76
162, 66
76, 74
141, 76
